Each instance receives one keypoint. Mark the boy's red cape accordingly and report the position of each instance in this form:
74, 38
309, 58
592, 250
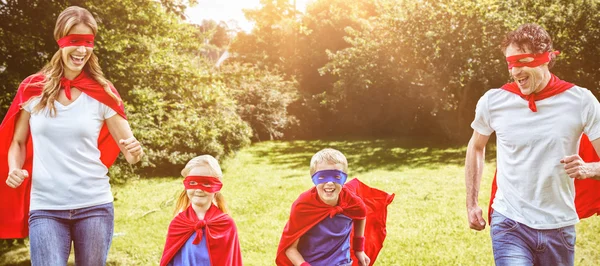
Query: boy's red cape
14, 202
375, 229
220, 232
587, 191
357, 201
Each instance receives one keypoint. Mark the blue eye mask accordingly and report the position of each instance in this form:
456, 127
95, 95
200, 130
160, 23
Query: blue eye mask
324, 176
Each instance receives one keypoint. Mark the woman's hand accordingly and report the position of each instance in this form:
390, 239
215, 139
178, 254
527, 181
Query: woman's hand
16, 177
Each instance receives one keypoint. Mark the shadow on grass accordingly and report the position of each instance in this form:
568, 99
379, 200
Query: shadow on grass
16, 253
364, 155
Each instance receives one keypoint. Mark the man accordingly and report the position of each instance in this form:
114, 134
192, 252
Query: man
539, 120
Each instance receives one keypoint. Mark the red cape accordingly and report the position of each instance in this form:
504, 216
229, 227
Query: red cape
587, 192
14, 203
220, 232
555, 86
375, 229
308, 210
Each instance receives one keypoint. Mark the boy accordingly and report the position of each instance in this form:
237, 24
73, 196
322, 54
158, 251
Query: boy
324, 219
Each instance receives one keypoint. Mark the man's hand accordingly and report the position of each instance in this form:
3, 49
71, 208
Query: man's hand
577, 168
476, 220
363, 259
16, 177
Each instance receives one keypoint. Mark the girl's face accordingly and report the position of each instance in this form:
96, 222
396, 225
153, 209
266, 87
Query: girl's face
199, 197
75, 57
329, 192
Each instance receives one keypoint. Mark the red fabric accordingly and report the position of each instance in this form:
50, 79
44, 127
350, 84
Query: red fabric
86, 40
538, 60
587, 192
14, 203
221, 236
555, 86
209, 184
375, 230
357, 201
358, 243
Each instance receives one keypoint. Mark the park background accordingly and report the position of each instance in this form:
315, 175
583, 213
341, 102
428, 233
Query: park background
391, 83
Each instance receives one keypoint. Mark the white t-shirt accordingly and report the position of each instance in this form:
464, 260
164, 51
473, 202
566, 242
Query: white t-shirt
67, 171
533, 187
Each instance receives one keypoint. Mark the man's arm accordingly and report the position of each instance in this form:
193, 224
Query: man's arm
474, 162
577, 168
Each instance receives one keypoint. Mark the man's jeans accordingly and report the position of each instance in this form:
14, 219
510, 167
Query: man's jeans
51, 233
516, 244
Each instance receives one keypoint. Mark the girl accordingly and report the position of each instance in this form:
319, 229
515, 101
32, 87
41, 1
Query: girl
202, 233
64, 129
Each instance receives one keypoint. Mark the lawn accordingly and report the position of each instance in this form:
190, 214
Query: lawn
426, 222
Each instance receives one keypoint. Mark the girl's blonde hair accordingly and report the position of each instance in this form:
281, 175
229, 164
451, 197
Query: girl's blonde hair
54, 69
328, 155
183, 202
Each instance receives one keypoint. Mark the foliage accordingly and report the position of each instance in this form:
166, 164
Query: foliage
263, 98
421, 66
178, 109
400, 67
273, 41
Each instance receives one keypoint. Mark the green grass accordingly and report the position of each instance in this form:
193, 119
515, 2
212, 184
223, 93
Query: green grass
426, 222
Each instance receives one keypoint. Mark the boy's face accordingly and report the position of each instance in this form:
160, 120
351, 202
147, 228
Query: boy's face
329, 192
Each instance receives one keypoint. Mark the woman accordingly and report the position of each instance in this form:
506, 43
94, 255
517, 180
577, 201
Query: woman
71, 111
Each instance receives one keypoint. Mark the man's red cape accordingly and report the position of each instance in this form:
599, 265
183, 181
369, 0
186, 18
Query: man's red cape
308, 210
587, 191
14, 202
220, 232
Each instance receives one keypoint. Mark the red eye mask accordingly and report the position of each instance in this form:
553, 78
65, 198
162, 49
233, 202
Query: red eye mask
207, 183
86, 40
538, 59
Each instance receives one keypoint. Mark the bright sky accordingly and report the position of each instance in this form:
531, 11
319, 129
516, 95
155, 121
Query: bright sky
229, 10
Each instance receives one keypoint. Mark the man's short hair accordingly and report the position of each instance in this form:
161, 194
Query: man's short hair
328, 155
531, 36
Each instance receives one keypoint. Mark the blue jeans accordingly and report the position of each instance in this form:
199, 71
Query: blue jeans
516, 244
52, 231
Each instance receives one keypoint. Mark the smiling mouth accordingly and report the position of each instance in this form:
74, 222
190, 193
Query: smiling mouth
329, 190
78, 60
522, 81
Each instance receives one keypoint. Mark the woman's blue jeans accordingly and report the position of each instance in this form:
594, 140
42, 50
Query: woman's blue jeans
89, 229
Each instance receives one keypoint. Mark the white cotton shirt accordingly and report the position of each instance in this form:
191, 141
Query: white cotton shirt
533, 187
67, 171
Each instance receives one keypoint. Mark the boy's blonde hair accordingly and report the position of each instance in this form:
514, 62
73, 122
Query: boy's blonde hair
203, 160
328, 155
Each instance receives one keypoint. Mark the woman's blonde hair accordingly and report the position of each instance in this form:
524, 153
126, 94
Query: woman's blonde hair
328, 155
203, 160
54, 69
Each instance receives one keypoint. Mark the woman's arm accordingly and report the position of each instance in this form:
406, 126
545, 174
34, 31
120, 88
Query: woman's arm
18, 150
121, 133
